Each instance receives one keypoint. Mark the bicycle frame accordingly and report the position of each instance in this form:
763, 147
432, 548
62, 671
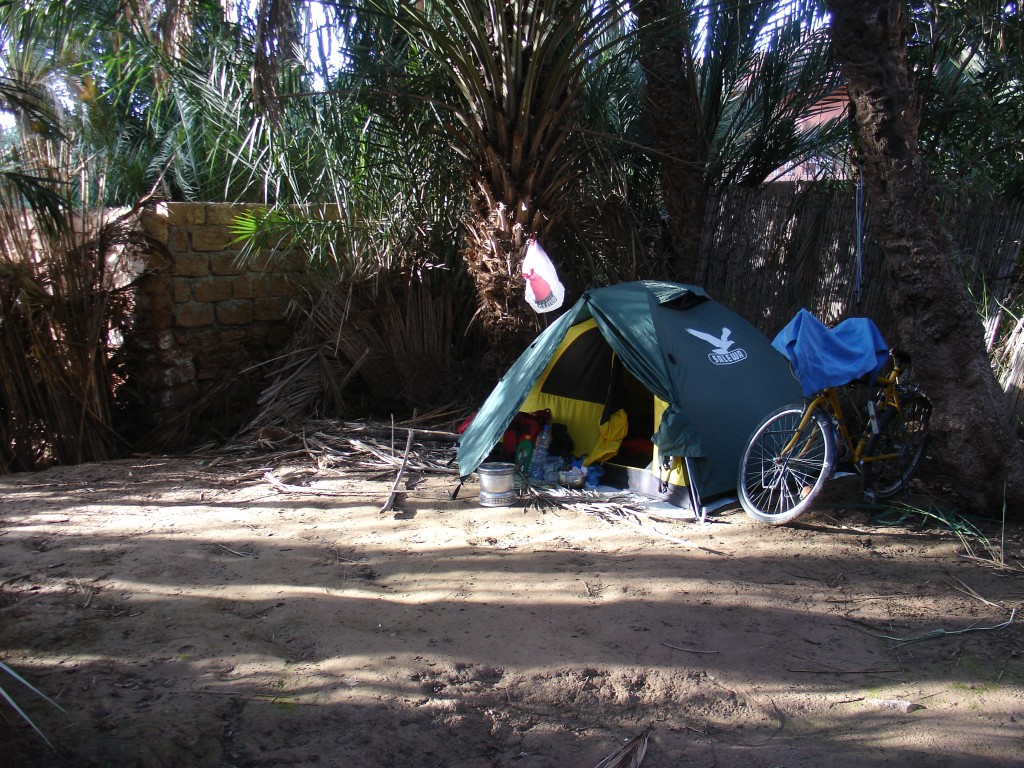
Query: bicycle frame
795, 450
828, 400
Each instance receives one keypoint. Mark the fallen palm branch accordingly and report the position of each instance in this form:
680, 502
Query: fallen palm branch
357, 447
622, 507
629, 755
336, 449
607, 506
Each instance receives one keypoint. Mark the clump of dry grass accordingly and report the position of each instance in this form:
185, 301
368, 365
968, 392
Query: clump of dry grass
395, 342
64, 306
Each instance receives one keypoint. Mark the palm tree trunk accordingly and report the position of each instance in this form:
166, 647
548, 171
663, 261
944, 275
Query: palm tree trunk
672, 107
496, 237
936, 320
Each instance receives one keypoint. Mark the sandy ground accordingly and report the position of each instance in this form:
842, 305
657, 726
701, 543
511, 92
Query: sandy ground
185, 613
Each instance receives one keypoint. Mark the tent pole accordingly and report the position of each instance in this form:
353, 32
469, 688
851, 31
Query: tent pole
698, 510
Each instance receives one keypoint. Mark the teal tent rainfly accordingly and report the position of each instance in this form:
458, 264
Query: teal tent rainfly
688, 378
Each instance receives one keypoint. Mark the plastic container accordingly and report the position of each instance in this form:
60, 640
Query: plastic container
524, 456
573, 477
552, 469
540, 454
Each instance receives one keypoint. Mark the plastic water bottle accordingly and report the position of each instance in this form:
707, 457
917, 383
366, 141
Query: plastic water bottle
540, 454
524, 456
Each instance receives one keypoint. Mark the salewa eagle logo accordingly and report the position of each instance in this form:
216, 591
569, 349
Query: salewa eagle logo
722, 352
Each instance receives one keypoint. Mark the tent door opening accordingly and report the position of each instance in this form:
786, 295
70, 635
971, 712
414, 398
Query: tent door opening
638, 466
609, 415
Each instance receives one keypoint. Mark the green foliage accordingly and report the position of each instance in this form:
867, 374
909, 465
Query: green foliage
968, 59
976, 544
372, 144
767, 86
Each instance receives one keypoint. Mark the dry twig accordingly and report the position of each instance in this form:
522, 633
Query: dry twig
394, 488
687, 650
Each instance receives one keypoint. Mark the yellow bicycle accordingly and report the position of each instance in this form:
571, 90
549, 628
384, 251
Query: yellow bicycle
798, 448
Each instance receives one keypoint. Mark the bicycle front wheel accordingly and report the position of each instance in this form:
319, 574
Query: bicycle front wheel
892, 456
784, 467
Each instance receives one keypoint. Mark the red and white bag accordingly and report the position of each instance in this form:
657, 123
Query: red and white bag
544, 291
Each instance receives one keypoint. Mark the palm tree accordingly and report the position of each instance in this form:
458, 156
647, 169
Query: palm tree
935, 319
62, 297
967, 60
515, 74
727, 86
26, 74
510, 84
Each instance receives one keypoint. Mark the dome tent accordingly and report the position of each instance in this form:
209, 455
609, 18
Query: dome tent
691, 375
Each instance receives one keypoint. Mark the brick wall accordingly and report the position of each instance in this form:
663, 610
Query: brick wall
201, 317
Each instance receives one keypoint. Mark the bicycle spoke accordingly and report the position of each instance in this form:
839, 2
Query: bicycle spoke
892, 456
784, 466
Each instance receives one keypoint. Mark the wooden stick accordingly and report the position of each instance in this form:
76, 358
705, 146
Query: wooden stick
306, 491
688, 650
394, 488
379, 431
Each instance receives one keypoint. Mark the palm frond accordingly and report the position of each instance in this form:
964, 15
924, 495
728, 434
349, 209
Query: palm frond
14, 705
63, 303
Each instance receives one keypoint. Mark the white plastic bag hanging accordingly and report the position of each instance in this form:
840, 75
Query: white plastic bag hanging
544, 291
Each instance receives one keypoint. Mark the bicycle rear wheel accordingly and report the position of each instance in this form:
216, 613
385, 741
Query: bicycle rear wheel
892, 456
783, 467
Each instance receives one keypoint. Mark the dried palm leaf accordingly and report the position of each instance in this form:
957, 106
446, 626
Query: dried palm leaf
609, 506
397, 342
64, 305
629, 755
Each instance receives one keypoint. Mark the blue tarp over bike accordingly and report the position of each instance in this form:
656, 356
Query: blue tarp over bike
822, 357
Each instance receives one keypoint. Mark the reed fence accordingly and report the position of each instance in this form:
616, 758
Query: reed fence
768, 251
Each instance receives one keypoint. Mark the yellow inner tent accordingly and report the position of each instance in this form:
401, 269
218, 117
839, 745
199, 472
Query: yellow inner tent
596, 424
